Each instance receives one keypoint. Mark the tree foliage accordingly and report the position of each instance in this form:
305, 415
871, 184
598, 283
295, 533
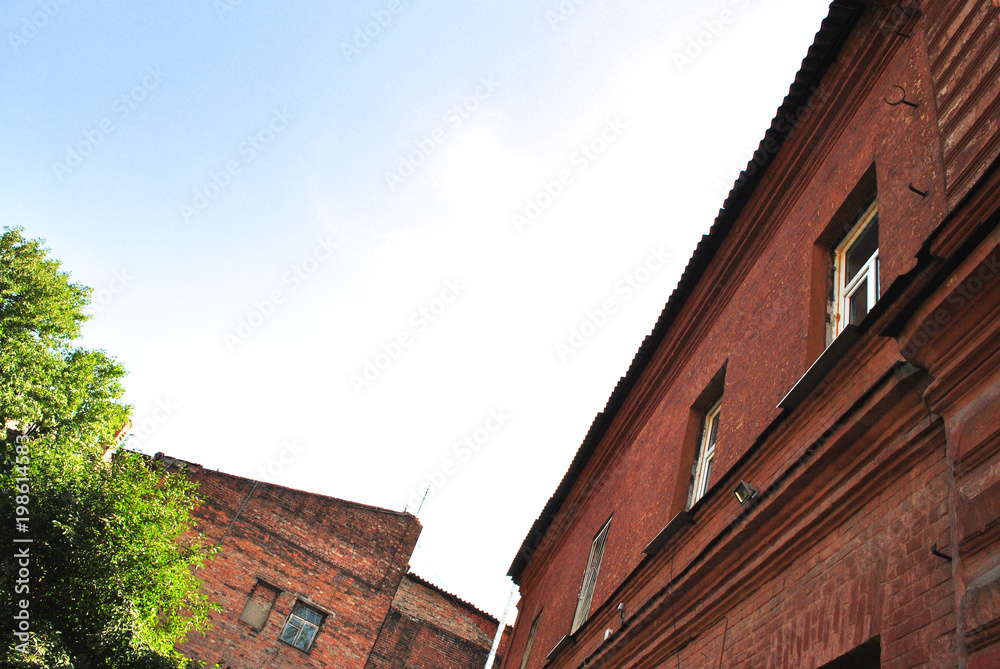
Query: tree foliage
112, 552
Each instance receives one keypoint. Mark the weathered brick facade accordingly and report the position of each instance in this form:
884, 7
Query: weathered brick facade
427, 628
278, 548
875, 537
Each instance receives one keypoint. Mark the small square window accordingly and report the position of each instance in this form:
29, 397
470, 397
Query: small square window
706, 451
302, 626
856, 267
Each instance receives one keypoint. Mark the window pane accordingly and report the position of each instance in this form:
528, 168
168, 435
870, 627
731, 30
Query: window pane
859, 303
308, 614
708, 474
531, 641
861, 250
306, 638
291, 631
590, 578
714, 432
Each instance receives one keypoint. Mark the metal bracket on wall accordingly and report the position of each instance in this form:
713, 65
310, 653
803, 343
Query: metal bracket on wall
921, 193
934, 549
908, 12
902, 100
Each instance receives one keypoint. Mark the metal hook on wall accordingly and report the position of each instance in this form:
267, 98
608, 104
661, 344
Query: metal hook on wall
921, 193
934, 549
902, 100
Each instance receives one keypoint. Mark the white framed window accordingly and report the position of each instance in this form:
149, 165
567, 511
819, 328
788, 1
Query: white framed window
706, 452
590, 578
856, 267
531, 641
302, 626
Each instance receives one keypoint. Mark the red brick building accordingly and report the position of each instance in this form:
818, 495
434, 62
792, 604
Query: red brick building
832, 356
310, 581
428, 628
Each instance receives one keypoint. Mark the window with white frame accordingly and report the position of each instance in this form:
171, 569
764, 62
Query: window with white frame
856, 267
706, 451
590, 578
302, 626
531, 641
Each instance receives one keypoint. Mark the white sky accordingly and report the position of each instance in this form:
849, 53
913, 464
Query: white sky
114, 119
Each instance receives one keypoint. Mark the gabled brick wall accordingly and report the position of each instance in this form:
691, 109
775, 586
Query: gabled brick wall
346, 560
428, 628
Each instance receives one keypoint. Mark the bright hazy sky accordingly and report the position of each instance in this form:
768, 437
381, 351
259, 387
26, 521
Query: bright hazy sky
354, 263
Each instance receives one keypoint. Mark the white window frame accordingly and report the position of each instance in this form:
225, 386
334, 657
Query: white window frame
531, 641
868, 273
301, 625
590, 578
706, 452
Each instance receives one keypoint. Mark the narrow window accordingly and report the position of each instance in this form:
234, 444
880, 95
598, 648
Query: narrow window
590, 578
531, 641
302, 626
856, 266
259, 605
706, 451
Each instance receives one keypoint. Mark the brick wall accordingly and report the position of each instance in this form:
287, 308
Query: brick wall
279, 547
344, 559
430, 629
894, 451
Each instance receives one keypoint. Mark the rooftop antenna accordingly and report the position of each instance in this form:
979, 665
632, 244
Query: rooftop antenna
426, 490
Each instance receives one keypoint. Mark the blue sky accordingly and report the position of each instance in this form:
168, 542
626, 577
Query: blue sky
364, 267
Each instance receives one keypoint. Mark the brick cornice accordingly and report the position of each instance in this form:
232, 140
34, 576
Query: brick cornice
739, 249
782, 529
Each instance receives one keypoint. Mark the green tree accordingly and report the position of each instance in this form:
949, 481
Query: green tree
113, 555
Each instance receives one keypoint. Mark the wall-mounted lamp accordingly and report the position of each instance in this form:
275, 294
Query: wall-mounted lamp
745, 491
621, 613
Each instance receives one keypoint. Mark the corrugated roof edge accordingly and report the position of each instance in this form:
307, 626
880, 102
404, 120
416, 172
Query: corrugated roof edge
833, 31
455, 598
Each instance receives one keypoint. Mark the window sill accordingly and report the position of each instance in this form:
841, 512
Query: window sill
819, 369
673, 527
558, 648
